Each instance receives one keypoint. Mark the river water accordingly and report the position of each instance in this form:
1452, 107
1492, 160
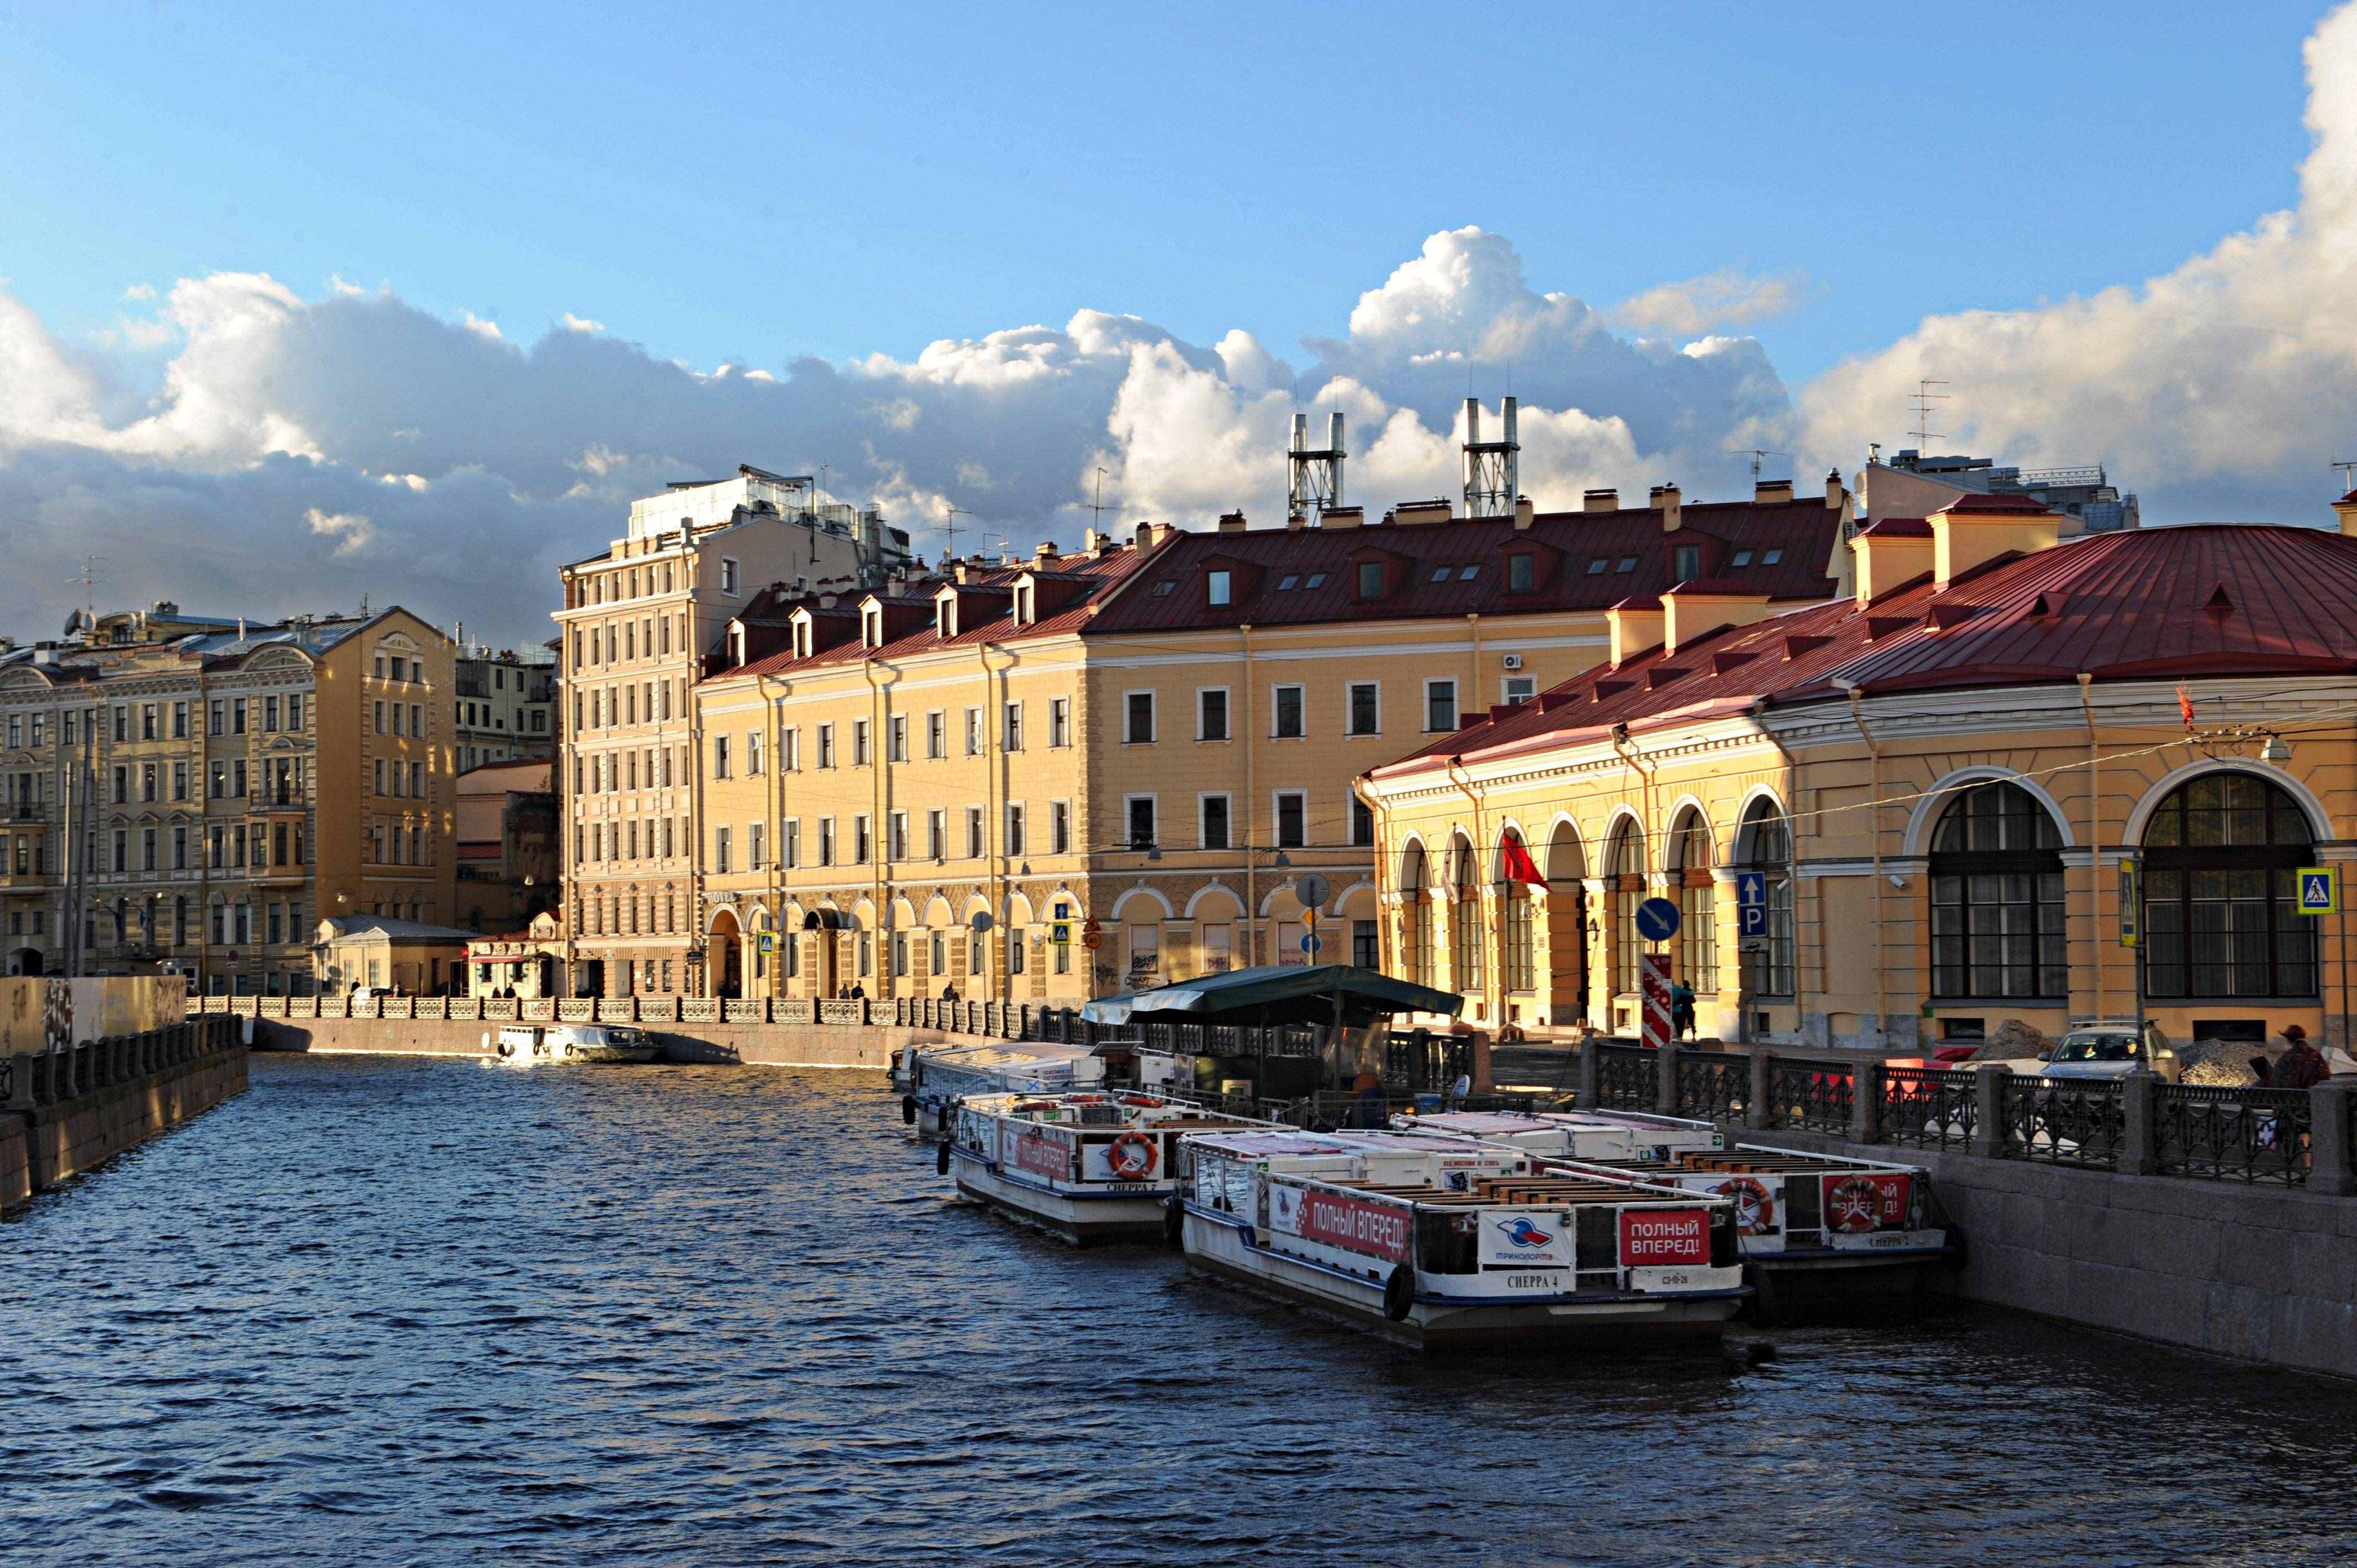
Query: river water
406, 1311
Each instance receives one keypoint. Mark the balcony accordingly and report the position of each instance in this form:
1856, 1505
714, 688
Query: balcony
279, 875
20, 881
14, 812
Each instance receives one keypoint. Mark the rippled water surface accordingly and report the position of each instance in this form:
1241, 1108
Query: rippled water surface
405, 1311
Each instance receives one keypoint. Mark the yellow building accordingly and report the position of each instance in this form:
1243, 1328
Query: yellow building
638, 627
1146, 745
228, 785
1953, 793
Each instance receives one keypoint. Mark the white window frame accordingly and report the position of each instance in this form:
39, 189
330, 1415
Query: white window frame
728, 577
1454, 705
1227, 714
1276, 686
1350, 704
1276, 817
1153, 716
1203, 822
1128, 804
1506, 697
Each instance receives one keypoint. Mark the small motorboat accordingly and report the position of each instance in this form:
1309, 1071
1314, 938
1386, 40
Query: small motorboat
543, 1044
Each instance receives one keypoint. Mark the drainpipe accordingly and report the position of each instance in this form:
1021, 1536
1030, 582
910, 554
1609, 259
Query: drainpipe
1874, 827
1362, 789
1456, 776
2095, 839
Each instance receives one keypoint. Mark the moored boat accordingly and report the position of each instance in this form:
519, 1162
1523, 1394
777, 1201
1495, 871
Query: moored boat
1613, 1135
1087, 1167
542, 1045
1437, 1240
936, 1077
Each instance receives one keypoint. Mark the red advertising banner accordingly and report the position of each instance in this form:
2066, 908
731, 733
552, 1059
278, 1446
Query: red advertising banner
1355, 1225
1655, 1236
1041, 1153
1866, 1200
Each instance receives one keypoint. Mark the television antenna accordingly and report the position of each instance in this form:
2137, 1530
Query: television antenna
1923, 398
2347, 469
1096, 507
88, 577
950, 526
1758, 456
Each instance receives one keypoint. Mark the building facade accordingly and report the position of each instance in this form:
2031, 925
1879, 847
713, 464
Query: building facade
639, 626
505, 707
1956, 797
1126, 760
193, 795
507, 848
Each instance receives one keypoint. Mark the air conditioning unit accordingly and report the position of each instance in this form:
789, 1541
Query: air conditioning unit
1513, 661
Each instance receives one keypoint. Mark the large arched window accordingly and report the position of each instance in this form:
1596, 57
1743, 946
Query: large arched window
1697, 943
1515, 945
1567, 917
1765, 847
1465, 918
1997, 898
1415, 917
1624, 870
2221, 909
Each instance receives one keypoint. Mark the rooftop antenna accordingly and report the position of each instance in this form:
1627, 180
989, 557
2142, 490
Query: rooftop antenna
949, 529
88, 579
1096, 507
1313, 475
1923, 398
2348, 471
1758, 454
1492, 469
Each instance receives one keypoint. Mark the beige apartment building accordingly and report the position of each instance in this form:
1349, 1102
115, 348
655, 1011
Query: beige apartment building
504, 708
193, 795
2005, 779
639, 626
1124, 760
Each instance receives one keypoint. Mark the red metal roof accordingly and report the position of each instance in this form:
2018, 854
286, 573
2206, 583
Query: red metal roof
2140, 604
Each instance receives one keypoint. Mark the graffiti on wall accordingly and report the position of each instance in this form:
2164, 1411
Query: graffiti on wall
50, 1013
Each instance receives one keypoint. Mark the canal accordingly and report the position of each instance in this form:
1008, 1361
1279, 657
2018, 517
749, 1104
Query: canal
414, 1311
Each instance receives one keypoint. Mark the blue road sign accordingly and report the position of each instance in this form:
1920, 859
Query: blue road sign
1751, 903
1657, 919
1310, 944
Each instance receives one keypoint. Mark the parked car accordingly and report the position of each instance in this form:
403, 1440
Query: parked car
2110, 1048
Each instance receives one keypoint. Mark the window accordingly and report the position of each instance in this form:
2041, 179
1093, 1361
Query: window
1685, 563
1059, 828
1315, 578
1469, 574
1515, 969
1439, 706
1628, 563
1059, 721
1292, 818
973, 731
1219, 588
1362, 822
1285, 583
789, 750
1465, 920
1624, 882
1211, 713
1162, 589
1997, 927
1440, 573
1014, 828
936, 734
897, 825
752, 755
720, 757
1772, 557
180, 720
789, 852
975, 847
936, 835
1371, 579
1742, 558
1596, 567
1521, 573
1014, 730
827, 745
720, 850
1696, 943
237, 716
756, 846
1366, 712
1139, 810
1519, 689
1215, 821
899, 742
861, 845
1285, 719
826, 841
729, 575
1137, 719
2221, 856
859, 743
1766, 848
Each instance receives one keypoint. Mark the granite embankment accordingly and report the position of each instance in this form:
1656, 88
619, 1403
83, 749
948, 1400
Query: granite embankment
68, 1112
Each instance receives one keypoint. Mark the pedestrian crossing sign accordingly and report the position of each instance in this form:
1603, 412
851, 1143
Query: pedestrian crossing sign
2319, 890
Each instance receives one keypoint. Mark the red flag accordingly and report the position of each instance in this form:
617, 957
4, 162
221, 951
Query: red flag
1520, 866
2185, 708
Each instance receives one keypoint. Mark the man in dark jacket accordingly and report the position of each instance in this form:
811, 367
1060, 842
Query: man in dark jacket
2301, 1065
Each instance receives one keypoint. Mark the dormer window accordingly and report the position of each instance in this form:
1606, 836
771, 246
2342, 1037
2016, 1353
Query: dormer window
945, 618
1371, 579
736, 645
1685, 563
1219, 587
1023, 604
803, 637
1521, 573
871, 627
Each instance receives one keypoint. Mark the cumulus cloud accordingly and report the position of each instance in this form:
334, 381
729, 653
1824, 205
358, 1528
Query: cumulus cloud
352, 531
582, 324
2222, 386
1727, 297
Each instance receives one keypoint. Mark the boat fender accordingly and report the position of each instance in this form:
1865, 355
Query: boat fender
941, 1159
568, 1048
1174, 1220
506, 1048
1399, 1294
908, 1109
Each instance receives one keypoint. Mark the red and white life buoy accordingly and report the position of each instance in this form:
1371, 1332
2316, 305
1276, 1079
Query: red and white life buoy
1755, 1206
1853, 1205
1131, 1157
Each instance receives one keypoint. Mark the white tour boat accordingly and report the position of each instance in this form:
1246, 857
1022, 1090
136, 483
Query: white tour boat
1614, 1135
934, 1077
541, 1045
1438, 1241
1088, 1167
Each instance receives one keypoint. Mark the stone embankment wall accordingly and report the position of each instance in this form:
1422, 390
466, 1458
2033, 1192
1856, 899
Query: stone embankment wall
761, 1045
65, 1113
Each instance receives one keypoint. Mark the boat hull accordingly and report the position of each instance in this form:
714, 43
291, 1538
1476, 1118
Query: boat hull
1082, 1218
1222, 1248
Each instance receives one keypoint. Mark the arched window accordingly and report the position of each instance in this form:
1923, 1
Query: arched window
1415, 917
1514, 910
2220, 907
1697, 942
1465, 918
1567, 907
1997, 898
1624, 869
1765, 847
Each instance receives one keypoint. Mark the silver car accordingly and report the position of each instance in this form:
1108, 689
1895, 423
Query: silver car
2110, 1050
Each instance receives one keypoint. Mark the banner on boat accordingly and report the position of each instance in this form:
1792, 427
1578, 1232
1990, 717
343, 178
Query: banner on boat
1866, 1200
1333, 1220
1529, 1238
1037, 1151
1649, 1237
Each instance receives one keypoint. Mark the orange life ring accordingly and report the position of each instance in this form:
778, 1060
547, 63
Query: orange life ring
1131, 1157
1755, 1206
1853, 1205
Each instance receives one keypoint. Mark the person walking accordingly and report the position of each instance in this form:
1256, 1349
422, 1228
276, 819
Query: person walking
1682, 1010
2301, 1065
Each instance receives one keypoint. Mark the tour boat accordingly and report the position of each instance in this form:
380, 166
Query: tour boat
937, 1077
542, 1045
1087, 1167
1438, 1241
1814, 1226
1614, 1135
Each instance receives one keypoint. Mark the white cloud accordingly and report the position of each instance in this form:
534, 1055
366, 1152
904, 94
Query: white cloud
2221, 387
352, 531
1727, 297
581, 323
481, 327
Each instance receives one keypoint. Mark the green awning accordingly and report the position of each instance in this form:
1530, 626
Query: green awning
1278, 994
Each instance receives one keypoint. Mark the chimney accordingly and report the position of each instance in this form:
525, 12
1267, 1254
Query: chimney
1410, 512
1765, 491
1094, 544
1666, 500
2345, 508
1635, 625
1974, 529
1525, 514
1045, 557
1600, 500
1690, 614
1342, 517
1835, 493
1232, 523
1896, 550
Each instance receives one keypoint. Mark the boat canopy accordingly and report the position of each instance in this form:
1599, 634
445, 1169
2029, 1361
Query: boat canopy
1278, 994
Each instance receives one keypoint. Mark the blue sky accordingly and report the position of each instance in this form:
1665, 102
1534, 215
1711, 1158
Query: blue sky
754, 183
